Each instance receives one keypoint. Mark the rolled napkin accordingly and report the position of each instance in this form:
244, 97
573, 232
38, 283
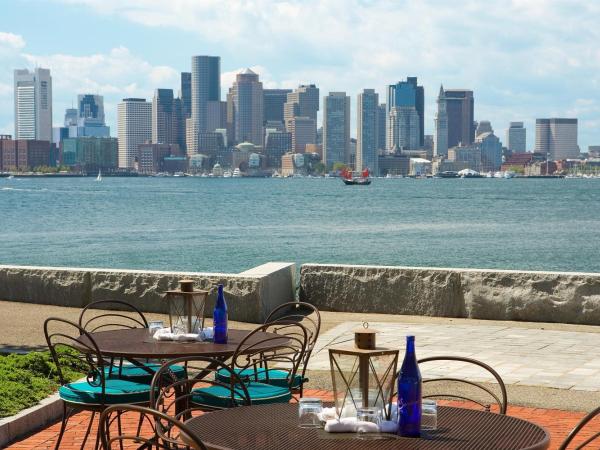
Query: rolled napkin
327, 414
350, 425
164, 334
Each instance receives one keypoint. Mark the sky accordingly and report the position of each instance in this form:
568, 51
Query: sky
524, 59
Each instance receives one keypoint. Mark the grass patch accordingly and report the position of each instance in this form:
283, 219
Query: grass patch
27, 379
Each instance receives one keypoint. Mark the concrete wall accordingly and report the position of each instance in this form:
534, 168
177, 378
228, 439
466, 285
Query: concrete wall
250, 295
481, 294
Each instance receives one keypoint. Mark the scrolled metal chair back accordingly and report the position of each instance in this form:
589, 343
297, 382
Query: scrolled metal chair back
155, 430
174, 393
73, 349
461, 384
583, 439
305, 314
114, 315
282, 347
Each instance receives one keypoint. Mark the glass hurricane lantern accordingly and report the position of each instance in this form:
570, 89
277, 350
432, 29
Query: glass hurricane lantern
186, 307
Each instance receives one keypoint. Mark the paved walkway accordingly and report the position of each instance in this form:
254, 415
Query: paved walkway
522, 356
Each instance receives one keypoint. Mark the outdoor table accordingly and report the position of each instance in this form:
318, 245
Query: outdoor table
275, 427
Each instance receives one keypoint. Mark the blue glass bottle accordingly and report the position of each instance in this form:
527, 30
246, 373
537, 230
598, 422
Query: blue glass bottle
220, 318
409, 393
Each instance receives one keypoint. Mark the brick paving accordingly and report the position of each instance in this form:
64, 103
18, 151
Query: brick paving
558, 423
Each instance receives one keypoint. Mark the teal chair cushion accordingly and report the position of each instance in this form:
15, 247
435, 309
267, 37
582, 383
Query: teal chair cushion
140, 375
276, 377
116, 391
260, 393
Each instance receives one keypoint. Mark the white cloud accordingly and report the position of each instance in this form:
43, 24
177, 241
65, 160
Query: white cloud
11, 40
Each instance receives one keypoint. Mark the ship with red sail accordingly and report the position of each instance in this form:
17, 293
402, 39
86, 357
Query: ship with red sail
350, 179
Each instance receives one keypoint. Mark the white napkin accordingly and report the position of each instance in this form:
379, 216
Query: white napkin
327, 414
351, 425
164, 334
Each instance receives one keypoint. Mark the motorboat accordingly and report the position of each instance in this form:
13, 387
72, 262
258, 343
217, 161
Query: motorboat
236, 173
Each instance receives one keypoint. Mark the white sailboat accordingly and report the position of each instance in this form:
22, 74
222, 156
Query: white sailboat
99, 177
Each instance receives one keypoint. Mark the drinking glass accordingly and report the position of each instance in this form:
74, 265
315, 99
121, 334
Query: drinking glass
371, 415
154, 326
308, 413
428, 415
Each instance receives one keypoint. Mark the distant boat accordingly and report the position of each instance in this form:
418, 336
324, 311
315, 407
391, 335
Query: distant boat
10, 177
99, 177
227, 174
236, 173
362, 180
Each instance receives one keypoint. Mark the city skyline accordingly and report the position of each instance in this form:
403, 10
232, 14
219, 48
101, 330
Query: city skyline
133, 54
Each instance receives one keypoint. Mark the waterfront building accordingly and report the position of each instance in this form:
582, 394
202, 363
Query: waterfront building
303, 131
394, 164
483, 126
516, 137
556, 138
465, 157
166, 115
408, 94
247, 99
419, 167
403, 128
91, 154
274, 101
151, 157
490, 148
454, 122
185, 94
211, 143
277, 144
381, 127
134, 125
440, 136
336, 129
302, 102
24, 154
367, 131
314, 149
205, 88
292, 164
33, 104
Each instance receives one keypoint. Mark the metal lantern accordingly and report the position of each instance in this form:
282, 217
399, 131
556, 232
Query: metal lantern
186, 308
363, 375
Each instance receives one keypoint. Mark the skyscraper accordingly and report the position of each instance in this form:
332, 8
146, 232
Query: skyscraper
516, 137
303, 131
409, 94
274, 101
90, 121
556, 138
302, 102
440, 136
367, 130
484, 126
33, 104
403, 128
165, 117
206, 87
336, 128
185, 94
134, 124
247, 98
381, 124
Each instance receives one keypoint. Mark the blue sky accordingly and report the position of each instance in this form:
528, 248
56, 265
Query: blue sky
523, 58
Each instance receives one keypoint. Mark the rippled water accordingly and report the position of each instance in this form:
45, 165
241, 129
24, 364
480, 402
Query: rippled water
230, 225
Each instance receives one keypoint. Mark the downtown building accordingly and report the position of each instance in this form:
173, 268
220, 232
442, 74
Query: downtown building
454, 120
91, 154
273, 106
516, 137
24, 154
33, 104
303, 132
367, 131
134, 127
406, 95
556, 138
277, 144
300, 115
246, 97
206, 106
86, 120
336, 129
403, 129
167, 118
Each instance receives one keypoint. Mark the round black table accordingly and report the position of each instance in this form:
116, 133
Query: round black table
275, 427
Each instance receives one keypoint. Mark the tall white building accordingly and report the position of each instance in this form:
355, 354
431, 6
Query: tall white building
134, 128
556, 138
33, 104
516, 137
367, 138
403, 128
336, 128
440, 136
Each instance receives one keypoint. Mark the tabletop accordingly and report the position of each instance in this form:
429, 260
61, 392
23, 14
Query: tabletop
138, 343
275, 427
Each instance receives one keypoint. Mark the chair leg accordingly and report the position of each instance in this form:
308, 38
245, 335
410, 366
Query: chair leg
120, 430
63, 425
87, 432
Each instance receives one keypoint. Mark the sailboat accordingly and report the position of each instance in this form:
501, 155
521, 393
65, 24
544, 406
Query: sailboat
349, 179
99, 177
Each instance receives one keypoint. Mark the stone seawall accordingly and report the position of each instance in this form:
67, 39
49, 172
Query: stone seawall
479, 294
250, 295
